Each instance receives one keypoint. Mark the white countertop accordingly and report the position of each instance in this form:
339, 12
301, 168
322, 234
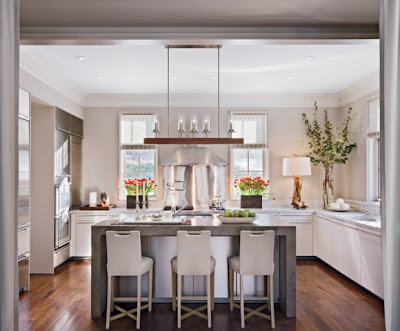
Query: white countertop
352, 217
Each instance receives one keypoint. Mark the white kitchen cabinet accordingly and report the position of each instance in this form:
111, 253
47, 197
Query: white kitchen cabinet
304, 233
81, 243
336, 245
352, 253
371, 263
323, 239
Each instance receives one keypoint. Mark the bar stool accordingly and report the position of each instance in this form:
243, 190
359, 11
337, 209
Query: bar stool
256, 258
193, 258
120, 245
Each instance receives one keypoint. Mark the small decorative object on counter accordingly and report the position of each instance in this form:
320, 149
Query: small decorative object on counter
136, 189
339, 205
92, 199
105, 199
252, 190
329, 146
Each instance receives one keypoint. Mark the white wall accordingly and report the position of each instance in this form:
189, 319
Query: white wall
286, 137
353, 175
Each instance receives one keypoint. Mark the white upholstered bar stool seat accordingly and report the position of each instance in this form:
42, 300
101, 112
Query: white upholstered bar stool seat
124, 258
193, 259
256, 258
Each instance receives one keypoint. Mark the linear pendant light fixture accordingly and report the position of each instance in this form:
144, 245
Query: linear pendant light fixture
189, 141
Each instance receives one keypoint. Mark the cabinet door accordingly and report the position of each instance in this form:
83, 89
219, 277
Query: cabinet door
336, 249
83, 240
323, 239
352, 253
371, 263
304, 233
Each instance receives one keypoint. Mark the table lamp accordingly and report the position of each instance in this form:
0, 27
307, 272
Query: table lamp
297, 166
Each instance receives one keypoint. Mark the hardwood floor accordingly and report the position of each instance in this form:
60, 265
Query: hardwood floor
326, 300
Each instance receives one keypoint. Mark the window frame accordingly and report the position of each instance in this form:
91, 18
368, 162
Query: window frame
156, 152
266, 168
373, 160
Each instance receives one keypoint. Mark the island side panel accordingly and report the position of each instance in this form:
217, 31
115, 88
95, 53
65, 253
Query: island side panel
287, 272
99, 273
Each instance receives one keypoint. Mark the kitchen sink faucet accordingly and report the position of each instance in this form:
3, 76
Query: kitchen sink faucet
175, 212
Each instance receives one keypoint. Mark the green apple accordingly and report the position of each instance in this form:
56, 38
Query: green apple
228, 213
252, 214
244, 214
236, 213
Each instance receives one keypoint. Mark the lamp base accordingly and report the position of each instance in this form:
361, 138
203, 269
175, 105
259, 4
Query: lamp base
296, 199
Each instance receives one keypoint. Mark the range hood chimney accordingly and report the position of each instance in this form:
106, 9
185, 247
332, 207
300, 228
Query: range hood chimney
194, 156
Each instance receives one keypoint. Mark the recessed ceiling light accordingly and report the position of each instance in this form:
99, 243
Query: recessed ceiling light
309, 58
290, 77
174, 77
80, 58
212, 77
99, 77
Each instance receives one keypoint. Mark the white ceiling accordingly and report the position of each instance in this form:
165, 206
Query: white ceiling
194, 13
263, 69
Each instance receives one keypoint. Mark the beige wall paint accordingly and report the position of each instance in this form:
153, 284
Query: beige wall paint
286, 134
353, 175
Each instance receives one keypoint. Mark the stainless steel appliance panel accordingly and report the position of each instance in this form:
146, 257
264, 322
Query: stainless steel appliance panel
76, 126
62, 120
24, 237
23, 172
62, 230
76, 171
24, 104
62, 165
23, 273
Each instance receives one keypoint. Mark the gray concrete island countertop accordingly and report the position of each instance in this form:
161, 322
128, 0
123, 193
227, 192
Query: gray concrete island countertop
285, 253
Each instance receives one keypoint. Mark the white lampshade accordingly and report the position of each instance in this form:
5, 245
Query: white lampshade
300, 166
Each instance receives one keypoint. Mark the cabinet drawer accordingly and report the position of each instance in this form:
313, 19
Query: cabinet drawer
91, 218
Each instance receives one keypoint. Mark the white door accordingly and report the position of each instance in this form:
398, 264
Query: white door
336, 250
323, 239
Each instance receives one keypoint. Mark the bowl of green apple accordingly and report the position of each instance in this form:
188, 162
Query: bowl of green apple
237, 216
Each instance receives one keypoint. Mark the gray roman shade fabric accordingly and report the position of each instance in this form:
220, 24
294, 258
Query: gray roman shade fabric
9, 69
249, 146
390, 158
135, 127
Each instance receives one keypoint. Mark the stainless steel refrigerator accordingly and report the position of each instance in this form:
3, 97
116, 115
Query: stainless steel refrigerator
67, 181
23, 190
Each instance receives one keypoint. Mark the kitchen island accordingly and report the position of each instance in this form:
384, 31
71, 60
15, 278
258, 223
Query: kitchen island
159, 243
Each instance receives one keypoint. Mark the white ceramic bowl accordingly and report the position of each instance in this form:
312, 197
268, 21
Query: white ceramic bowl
236, 220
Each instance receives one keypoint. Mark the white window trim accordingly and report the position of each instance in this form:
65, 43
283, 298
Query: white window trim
372, 180
156, 168
266, 150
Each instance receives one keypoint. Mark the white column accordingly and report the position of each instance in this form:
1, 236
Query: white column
9, 63
390, 152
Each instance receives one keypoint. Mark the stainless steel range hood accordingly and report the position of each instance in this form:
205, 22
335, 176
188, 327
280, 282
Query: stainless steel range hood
198, 156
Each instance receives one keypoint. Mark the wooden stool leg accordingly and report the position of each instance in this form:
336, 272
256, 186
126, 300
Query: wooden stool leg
150, 289
179, 299
271, 299
108, 302
212, 289
230, 288
173, 274
241, 302
209, 300
139, 297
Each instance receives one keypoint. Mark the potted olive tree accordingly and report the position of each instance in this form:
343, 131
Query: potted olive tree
329, 145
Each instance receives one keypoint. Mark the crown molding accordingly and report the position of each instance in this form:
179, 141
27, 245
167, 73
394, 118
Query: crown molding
210, 100
41, 70
363, 87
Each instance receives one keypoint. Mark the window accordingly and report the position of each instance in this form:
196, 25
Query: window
137, 160
249, 159
373, 151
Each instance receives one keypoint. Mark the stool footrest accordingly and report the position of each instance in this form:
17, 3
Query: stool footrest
130, 299
252, 298
194, 312
252, 312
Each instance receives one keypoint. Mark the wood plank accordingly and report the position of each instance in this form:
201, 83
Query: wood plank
326, 300
193, 141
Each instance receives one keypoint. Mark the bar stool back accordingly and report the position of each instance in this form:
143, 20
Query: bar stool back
256, 258
119, 245
193, 258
